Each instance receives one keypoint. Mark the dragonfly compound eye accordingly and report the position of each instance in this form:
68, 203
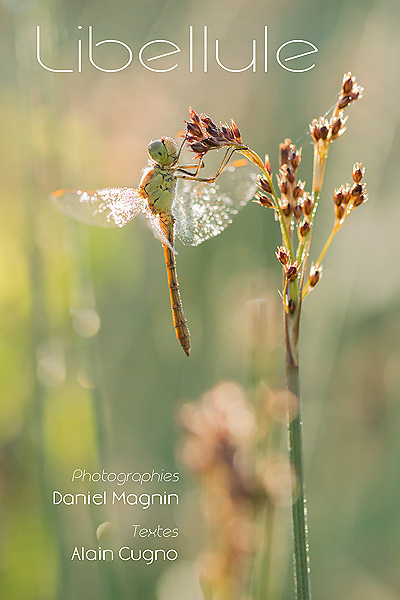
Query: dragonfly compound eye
164, 151
158, 151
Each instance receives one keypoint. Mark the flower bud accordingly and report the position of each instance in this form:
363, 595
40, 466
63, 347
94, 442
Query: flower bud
296, 158
287, 209
323, 131
361, 199
290, 175
283, 186
347, 85
305, 228
264, 184
292, 271
308, 205
282, 255
264, 201
339, 211
338, 196
298, 212
298, 190
358, 173
335, 128
356, 190
314, 130
315, 275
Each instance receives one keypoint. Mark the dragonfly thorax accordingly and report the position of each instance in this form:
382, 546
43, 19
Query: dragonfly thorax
158, 185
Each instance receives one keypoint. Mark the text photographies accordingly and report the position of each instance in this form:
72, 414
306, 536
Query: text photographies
164, 50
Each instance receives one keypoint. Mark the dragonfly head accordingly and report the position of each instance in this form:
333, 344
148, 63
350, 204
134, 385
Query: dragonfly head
163, 151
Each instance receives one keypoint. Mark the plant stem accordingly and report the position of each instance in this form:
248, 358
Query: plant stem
299, 510
253, 156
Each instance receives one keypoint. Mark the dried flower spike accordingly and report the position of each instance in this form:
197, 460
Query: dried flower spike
315, 274
308, 204
203, 134
298, 212
305, 229
292, 271
264, 201
282, 255
358, 172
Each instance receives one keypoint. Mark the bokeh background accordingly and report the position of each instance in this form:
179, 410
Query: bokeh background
91, 373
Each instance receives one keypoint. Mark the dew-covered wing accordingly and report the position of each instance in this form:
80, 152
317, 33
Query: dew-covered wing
111, 207
204, 210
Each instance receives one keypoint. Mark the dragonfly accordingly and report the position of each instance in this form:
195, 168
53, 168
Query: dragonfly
173, 200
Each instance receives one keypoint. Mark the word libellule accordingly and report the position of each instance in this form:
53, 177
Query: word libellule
173, 201
154, 51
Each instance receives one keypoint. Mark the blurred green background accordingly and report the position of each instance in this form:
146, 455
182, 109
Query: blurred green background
91, 372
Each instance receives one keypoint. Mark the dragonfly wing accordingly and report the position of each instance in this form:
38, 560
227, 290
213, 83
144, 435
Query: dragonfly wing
204, 210
159, 230
110, 207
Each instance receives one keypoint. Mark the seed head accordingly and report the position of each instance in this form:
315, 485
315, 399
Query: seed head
339, 211
361, 199
264, 184
338, 196
305, 228
298, 190
283, 185
264, 201
282, 255
287, 209
292, 271
296, 158
290, 174
323, 131
348, 82
350, 92
298, 212
319, 129
342, 195
203, 134
288, 155
358, 172
357, 189
315, 275
308, 204
336, 127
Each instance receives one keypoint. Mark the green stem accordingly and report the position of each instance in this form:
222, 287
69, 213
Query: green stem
253, 156
299, 510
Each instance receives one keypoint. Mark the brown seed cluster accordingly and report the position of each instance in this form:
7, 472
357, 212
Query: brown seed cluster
292, 270
347, 197
315, 274
203, 134
294, 201
324, 131
350, 91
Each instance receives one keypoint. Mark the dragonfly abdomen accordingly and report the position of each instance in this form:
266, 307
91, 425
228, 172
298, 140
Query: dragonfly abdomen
181, 328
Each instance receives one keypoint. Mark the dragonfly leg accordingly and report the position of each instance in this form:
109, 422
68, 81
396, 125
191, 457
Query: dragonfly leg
182, 168
180, 149
227, 157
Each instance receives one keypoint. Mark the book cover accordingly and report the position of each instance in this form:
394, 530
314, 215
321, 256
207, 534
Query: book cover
143, 457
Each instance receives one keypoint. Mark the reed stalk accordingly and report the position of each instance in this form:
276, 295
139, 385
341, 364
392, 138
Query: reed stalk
295, 210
